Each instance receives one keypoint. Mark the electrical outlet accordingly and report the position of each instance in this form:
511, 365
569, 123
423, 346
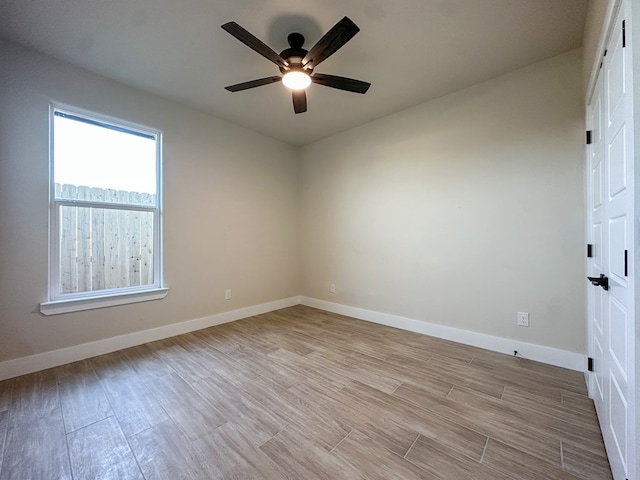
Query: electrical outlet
227, 294
523, 319
332, 288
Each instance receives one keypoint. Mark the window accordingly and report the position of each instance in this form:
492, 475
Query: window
105, 217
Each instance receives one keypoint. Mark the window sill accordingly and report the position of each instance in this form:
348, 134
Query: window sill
88, 303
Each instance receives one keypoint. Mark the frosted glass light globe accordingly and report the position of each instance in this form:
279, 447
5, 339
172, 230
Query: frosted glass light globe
296, 80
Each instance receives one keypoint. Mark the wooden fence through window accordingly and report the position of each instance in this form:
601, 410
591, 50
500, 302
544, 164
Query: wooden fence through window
103, 248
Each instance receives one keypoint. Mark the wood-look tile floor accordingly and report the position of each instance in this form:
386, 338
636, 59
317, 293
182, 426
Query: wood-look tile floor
300, 394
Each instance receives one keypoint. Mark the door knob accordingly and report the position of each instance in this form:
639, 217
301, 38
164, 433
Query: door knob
600, 281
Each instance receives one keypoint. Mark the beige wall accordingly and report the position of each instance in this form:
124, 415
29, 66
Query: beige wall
230, 209
461, 211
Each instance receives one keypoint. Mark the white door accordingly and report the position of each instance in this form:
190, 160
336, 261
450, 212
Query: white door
610, 201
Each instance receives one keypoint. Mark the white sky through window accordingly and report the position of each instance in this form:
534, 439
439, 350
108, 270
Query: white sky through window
94, 156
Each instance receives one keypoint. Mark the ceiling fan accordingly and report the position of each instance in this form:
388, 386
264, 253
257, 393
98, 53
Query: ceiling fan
297, 64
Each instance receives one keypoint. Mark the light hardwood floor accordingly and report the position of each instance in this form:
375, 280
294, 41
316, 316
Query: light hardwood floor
300, 394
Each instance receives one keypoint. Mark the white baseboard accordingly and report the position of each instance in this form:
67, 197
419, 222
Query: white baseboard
24, 365
553, 356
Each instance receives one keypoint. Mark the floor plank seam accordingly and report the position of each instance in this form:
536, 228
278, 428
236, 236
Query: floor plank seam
341, 440
66, 441
133, 453
396, 389
412, 444
450, 390
484, 450
3, 439
91, 424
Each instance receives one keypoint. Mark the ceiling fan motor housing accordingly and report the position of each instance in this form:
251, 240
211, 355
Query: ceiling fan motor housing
295, 53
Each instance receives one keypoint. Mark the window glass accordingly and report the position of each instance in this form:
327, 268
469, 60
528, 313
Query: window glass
105, 210
102, 156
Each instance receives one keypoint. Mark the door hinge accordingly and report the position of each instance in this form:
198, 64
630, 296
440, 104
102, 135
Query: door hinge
626, 263
624, 35
589, 250
590, 364
589, 137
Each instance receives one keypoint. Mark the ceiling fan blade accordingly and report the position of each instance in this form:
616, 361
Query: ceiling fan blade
253, 83
341, 83
334, 39
299, 101
254, 43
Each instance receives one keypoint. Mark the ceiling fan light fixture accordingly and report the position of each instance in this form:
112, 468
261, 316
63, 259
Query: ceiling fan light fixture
296, 80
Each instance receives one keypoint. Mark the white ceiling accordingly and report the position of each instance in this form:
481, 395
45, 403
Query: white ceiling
410, 51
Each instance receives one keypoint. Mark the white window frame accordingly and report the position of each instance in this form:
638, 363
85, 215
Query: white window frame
59, 302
